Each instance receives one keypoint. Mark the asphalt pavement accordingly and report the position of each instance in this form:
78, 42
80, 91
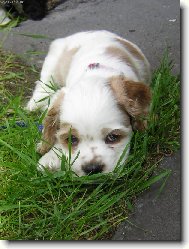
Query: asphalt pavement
157, 215
155, 27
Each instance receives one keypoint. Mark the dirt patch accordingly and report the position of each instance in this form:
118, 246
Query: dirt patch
16, 77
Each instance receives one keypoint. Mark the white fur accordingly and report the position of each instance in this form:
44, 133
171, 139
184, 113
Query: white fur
88, 105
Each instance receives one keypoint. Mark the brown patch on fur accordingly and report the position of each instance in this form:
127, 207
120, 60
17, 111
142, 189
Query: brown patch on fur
134, 98
131, 48
136, 54
139, 125
106, 131
63, 65
63, 135
119, 133
51, 125
65, 127
123, 56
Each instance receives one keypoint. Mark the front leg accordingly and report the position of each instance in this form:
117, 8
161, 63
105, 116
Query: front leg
49, 80
51, 160
41, 97
53, 74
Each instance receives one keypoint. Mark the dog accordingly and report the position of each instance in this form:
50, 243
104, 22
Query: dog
103, 95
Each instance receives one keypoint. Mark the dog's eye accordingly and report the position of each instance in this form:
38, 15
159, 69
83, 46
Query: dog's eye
73, 139
112, 138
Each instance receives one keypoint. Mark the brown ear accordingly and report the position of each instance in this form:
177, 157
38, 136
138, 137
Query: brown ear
134, 98
51, 125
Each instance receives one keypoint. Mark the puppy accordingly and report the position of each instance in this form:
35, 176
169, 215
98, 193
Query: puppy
103, 95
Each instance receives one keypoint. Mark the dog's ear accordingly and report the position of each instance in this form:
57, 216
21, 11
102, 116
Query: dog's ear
134, 98
51, 124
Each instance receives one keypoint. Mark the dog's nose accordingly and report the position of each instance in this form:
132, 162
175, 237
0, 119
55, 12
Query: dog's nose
92, 168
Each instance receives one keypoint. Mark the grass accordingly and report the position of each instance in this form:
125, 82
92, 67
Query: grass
60, 206
14, 22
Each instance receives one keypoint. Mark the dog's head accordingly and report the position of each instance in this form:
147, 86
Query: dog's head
97, 116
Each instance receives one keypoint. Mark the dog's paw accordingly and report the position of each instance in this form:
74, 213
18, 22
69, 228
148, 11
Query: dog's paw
31, 105
49, 161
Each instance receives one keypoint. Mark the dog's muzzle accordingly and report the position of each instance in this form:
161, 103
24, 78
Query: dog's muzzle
92, 168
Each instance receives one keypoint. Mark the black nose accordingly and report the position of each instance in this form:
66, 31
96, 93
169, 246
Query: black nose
92, 168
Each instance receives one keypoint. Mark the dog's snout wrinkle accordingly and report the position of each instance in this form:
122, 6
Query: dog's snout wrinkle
93, 168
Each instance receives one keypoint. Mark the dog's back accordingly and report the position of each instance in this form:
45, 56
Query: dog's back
103, 47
